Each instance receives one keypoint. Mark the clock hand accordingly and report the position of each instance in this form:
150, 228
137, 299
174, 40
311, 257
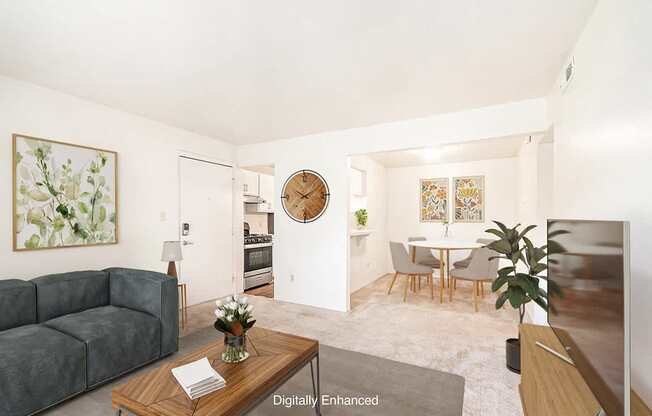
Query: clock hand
302, 195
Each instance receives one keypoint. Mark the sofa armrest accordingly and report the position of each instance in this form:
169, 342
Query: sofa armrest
150, 292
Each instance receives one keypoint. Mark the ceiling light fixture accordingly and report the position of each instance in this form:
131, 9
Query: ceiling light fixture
429, 154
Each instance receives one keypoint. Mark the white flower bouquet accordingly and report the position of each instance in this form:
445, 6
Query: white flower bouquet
234, 315
234, 319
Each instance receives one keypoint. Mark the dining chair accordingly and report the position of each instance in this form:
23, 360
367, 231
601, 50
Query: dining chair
424, 256
481, 269
460, 264
403, 266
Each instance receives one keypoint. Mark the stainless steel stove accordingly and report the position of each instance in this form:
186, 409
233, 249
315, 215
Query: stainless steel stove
257, 260
252, 239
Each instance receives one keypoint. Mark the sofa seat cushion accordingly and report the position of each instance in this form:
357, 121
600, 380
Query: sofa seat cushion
117, 339
39, 367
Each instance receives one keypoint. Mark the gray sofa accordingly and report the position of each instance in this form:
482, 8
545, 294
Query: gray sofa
64, 334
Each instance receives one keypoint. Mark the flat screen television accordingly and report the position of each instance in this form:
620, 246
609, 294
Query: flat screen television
588, 295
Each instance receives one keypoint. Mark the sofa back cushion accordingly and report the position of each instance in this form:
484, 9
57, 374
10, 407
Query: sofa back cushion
61, 294
17, 303
137, 289
150, 292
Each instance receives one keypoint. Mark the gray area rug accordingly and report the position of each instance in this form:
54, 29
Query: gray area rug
401, 389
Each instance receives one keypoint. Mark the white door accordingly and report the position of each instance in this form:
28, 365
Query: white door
206, 215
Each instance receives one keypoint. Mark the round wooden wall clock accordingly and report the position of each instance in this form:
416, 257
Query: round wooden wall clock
305, 196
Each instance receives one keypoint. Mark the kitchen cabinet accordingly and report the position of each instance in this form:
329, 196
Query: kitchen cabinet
250, 183
266, 187
258, 185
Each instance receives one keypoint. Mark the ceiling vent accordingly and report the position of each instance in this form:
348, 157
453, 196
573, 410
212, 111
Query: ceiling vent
568, 74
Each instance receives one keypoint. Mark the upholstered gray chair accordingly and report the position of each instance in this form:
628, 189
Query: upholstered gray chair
460, 264
480, 270
403, 266
423, 255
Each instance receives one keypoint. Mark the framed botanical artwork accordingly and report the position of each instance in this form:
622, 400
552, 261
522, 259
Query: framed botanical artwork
433, 200
469, 199
64, 195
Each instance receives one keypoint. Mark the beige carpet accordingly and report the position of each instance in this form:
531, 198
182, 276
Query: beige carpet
446, 337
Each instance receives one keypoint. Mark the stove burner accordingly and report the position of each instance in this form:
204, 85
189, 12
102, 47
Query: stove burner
257, 238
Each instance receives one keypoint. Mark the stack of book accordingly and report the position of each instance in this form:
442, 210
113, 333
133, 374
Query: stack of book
198, 378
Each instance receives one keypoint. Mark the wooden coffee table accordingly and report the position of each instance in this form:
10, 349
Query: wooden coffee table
274, 358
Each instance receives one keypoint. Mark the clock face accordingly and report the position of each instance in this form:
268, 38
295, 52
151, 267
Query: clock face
305, 196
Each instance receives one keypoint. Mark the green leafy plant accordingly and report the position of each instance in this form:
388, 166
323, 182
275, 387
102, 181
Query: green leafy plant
362, 217
520, 287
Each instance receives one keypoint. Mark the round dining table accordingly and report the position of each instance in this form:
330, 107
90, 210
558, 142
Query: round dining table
444, 247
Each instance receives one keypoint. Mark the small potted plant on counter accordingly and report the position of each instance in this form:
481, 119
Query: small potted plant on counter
361, 217
234, 319
519, 286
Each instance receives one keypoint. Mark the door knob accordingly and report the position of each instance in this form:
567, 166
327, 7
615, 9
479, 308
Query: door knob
187, 243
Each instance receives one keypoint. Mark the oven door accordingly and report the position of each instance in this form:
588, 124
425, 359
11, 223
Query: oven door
257, 259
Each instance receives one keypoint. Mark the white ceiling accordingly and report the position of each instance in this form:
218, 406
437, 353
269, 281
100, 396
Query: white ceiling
247, 71
498, 148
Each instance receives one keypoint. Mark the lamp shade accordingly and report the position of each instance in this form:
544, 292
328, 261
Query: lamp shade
171, 251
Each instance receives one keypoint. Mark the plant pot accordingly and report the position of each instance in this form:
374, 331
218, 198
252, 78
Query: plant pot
235, 349
513, 355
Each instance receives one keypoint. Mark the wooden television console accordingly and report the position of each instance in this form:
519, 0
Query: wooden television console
550, 386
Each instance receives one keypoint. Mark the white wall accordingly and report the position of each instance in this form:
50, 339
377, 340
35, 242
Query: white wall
603, 147
257, 222
369, 258
403, 203
147, 175
534, 204
546, 191
311, 260
527, 180
315, 254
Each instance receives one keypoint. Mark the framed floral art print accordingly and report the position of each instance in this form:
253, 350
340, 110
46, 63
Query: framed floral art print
64, 195
469, 199
433, 197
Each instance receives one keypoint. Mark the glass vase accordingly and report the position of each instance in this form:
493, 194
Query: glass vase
235, 349
446, 234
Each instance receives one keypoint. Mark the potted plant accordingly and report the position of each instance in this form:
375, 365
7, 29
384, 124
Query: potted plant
518, 285
361, 217
234, 319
